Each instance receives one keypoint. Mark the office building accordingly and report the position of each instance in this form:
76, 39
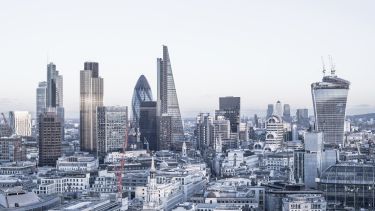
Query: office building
11, 149
167, 104
278, 109
20, 122
54, 87
111, 130
329, 100
204, 131
41, 98
230, 108
50, 137
303, 117
148, 124
91, 96
304, 202
142, 93
269, 110
286, 113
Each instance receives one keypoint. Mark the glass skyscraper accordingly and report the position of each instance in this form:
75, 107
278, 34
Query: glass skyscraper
168, 110
142, 93
329, 100
91, 96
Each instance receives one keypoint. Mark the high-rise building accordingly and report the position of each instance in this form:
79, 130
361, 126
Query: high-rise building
256, 121
41, 98
303, 117
50, 137
148, 124
112, 124
168, 109
278, 109
91, 96
269, 110
286, 113
231, 107
142, 92
329, 100
20, 122
11, 149
54, 87
204, 131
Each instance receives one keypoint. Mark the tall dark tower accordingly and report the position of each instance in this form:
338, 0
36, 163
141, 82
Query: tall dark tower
50, 137
231, 107
170, 126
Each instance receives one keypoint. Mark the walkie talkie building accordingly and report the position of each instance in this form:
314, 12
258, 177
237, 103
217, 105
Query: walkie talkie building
329, 100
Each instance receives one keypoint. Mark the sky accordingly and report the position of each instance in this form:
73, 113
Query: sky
262, 51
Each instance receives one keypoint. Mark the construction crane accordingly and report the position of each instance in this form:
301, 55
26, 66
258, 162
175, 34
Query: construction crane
120, 169
6, 123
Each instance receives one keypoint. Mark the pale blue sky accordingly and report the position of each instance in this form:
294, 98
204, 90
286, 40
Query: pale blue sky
261, 51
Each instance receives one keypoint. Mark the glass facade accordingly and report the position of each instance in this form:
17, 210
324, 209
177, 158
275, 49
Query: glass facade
329, 100
142, 93
168, 102
349, 184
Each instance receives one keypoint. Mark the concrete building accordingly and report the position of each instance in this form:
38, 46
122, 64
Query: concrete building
50, 138
12, 149
304, 202
78, 162
274, 133
20, 122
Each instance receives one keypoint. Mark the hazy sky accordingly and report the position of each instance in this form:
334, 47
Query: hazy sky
262, 51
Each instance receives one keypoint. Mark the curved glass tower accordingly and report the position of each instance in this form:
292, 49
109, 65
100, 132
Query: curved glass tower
142, 93
329, 100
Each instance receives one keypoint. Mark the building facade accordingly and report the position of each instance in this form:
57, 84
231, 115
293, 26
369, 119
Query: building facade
91, 96
20, 122
167, 103
329, 100
148, 124
142, 93
231, 108
112, 123
50, 137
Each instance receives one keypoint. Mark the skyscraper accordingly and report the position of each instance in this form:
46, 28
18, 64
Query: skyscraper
50, 137
91, 96
269, 110
329, 100
147, 124
112, 124
142, 93
168, 109
303, 117
54, 87
231, 107
41, 98
204, 131
20, 122
286, 113
278, 109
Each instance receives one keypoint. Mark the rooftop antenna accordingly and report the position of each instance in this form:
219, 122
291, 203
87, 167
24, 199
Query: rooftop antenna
333, 70
324, 66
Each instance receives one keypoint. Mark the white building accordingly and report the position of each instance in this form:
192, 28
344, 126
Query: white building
20, 122
275, 133
304, 202
62, 183
77, 162
105, 183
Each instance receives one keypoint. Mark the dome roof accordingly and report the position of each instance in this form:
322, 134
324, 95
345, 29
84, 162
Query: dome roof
142, 83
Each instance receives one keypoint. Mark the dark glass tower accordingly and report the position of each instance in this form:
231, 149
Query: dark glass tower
50, 137
142, 93
231, 106
168, 110
329, 100
147, 124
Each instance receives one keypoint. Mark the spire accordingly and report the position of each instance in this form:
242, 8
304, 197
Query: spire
153, 169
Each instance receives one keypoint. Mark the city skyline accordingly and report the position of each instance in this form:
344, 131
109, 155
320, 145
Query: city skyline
252, 61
